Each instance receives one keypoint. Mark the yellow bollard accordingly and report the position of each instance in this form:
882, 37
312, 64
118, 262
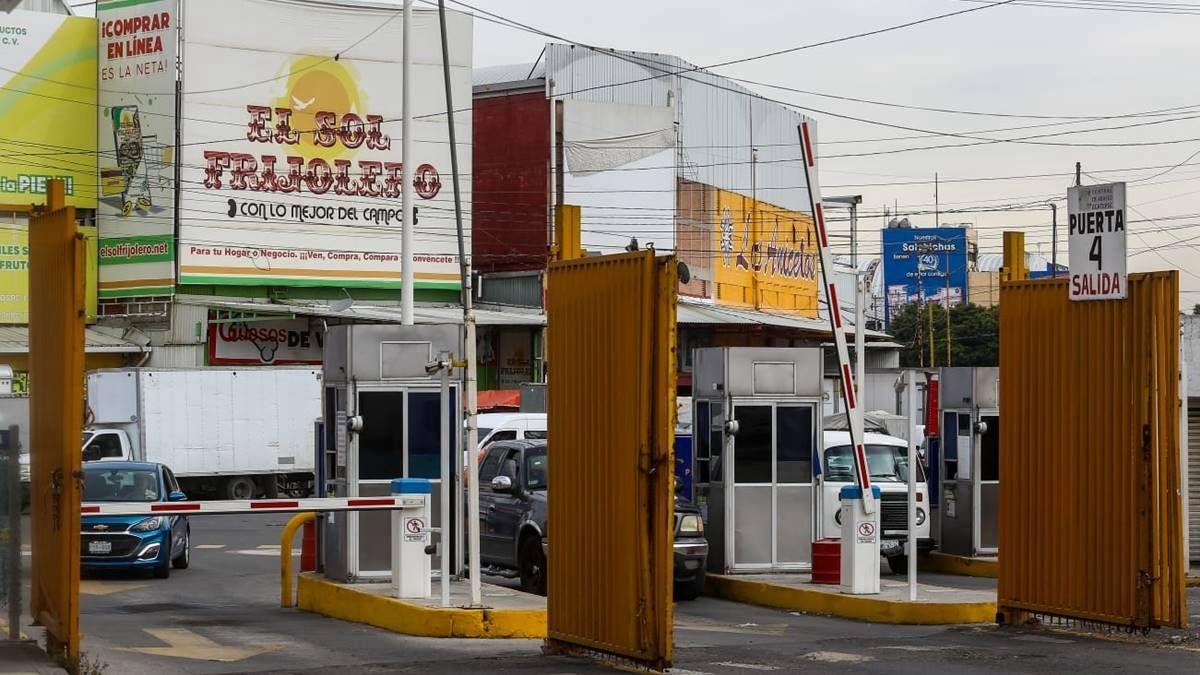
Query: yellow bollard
285, 556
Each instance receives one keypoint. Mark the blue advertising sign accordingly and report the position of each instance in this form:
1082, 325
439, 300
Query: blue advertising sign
927, 265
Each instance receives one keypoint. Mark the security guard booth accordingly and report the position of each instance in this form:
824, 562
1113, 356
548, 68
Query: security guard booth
755, 429
970, 460
382, 412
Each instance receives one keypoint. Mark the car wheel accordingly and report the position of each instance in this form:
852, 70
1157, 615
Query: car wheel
531, 563
690, 590
898, 564
184, 558
240, 487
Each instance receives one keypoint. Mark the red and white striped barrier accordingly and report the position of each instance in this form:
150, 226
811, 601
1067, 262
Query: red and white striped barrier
249, 506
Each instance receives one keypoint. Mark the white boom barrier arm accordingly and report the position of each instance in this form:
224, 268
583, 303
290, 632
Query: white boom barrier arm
247, 506
849, 397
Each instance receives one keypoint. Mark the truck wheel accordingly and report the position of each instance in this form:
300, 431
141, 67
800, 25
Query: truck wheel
898, 564
240, 487
531, 563
690, 590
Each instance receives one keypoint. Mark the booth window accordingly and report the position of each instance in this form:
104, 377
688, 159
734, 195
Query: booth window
380, 444
700, 456
989, 450
794, 441
424, 441
716, 441
950, 446
752, 460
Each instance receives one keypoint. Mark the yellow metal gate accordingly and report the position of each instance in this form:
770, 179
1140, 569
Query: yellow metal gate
56, 316
1090, 507
610, 404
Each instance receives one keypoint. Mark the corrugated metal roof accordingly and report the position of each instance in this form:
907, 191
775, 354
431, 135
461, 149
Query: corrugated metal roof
15, 340
691, 311
487, 76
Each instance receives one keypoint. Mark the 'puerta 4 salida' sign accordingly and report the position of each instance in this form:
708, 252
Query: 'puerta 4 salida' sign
1096, 239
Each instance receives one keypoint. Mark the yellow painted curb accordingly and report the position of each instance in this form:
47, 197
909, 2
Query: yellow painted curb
342, 601
860, 608
944, 563
1193, 582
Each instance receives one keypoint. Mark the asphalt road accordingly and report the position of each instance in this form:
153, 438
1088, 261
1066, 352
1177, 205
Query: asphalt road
222, 616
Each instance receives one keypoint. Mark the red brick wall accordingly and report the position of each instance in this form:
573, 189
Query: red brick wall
511, 157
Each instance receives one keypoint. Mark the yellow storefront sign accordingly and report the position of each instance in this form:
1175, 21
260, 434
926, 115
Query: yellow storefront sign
47, 107
14, 273
766, 256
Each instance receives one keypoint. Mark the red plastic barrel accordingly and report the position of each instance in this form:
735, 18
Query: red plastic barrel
308, 547
827, 561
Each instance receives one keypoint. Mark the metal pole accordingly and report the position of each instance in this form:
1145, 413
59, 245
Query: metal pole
14, 534
406, 171
911, 393
469, 338
860, 341
447, 478
854, 236
1053, 240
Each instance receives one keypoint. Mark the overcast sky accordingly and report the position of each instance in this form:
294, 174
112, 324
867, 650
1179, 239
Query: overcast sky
1016, 60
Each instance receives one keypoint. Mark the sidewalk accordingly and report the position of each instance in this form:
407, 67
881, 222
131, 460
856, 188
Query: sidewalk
941, 599
26, 657
507, 614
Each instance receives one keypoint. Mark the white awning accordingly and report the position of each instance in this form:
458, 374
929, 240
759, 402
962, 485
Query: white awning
15, 340
422, 313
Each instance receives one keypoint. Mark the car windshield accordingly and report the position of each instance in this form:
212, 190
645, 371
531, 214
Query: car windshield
87, 436
887, 463
120, 485
535, 470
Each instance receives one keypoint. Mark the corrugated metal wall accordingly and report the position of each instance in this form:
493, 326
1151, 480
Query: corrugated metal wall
611, 325
57, 256
1090, 506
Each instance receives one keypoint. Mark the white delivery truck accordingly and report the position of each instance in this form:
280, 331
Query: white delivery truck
235, 433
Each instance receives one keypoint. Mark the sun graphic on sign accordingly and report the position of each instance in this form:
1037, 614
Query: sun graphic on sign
320, 84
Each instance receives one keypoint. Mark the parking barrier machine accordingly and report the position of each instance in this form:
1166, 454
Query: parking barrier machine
383, 413
860, 543
756, 422
411, 559
969, 461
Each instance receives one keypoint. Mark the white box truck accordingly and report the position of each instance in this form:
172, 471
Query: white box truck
235, 433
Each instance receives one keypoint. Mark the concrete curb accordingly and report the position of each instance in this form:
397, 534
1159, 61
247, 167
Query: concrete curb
859, 608
344, 602
944, 563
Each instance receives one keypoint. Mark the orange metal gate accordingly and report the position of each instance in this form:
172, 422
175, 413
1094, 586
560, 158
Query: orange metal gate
610, 404
1090, 507
56, 316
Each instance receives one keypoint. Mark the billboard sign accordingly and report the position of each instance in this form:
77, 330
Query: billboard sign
924, 265
265, 343
14, 273
294, 179
48, 89
766, 256
136, 139
1096, 241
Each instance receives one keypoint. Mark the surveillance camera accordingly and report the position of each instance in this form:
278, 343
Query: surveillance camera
732, 427
354, 424
433, 367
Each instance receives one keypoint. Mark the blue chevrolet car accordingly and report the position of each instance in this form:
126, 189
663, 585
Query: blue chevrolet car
133, 542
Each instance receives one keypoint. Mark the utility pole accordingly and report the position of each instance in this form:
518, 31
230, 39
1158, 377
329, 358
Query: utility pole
1054, 240
937, 209
468, 337
406, 171
1078, 172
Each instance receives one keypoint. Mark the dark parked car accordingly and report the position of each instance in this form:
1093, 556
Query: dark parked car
512, 512
133, 542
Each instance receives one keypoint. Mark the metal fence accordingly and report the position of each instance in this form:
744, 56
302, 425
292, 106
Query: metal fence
611, 325
1090, 506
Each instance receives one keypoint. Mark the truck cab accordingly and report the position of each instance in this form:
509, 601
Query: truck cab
887, 461
106, 444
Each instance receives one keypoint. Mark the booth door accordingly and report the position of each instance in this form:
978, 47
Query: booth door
988, 515
772, 485
399, 439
